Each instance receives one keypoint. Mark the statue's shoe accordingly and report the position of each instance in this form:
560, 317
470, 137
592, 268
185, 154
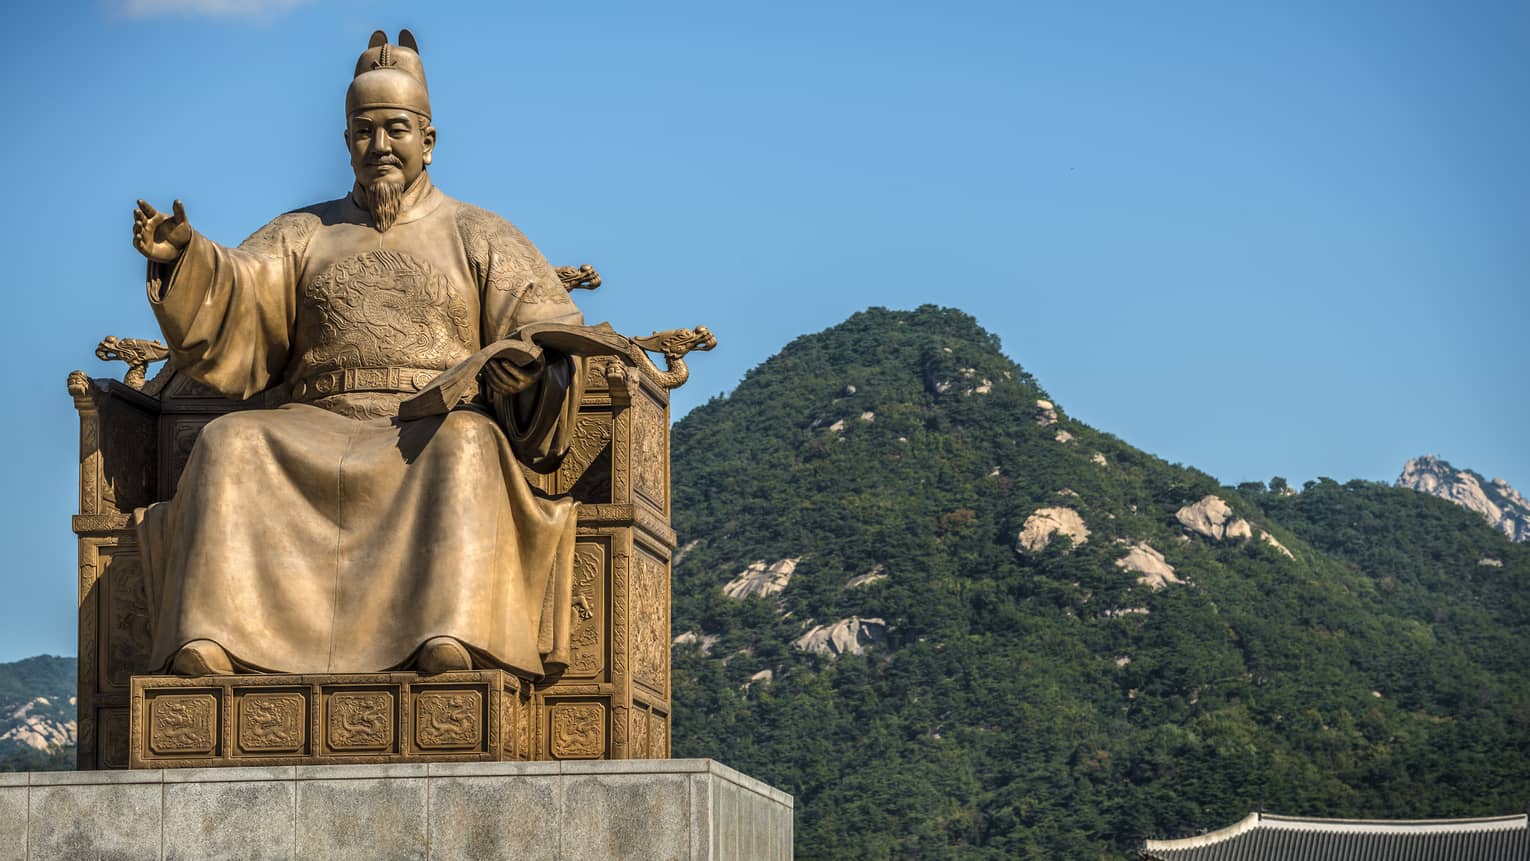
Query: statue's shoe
202, 658
442, 655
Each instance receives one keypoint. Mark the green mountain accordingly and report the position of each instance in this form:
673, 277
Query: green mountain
1345, 650
37, 714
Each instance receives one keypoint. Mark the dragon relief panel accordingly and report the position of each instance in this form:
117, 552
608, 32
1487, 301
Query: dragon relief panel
359, 720
183, 724
587, 656
272, 722
448, 719
577, 730
650, 622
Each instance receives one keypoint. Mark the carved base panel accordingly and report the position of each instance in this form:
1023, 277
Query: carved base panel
479, 716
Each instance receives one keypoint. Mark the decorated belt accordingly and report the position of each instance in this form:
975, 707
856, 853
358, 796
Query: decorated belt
401, 380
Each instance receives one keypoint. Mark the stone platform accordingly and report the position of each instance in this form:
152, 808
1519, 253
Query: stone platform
642, 809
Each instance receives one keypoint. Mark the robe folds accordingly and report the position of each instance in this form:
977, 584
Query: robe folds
328, 535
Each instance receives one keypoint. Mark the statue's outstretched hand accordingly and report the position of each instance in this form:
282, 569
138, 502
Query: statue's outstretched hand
508, 378
158, 236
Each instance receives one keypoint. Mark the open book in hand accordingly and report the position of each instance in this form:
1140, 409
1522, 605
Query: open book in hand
523, 347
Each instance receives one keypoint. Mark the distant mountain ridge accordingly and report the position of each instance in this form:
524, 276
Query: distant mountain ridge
1499, 504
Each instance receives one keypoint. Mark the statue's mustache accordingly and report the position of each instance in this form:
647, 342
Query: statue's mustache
386, 159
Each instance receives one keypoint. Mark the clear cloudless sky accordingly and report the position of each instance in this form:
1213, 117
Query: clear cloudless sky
1260, 239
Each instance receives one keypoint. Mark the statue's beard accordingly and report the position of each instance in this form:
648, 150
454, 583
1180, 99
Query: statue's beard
384, 198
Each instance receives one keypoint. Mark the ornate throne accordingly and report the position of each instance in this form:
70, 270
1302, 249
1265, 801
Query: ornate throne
612, 702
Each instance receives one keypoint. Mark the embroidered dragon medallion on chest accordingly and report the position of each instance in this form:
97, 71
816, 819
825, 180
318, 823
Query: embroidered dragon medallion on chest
384, 309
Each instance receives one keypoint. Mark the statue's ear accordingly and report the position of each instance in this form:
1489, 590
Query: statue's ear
379, 38
406, 40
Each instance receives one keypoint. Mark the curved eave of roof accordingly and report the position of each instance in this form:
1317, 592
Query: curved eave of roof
1401, 827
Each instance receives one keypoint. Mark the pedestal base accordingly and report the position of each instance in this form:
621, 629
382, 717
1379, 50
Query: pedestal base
687, 809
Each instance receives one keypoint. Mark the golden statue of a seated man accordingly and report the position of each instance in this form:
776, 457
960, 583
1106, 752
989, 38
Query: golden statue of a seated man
329, 535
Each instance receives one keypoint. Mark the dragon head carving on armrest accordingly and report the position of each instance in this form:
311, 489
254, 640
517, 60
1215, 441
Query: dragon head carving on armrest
137, 352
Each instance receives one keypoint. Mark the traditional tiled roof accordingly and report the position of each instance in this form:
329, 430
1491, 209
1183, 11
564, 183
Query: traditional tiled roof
1263, 837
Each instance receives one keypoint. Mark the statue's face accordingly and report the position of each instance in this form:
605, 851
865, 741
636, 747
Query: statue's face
388, 143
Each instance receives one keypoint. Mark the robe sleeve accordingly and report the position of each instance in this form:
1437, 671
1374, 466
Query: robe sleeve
228, 314
519, 287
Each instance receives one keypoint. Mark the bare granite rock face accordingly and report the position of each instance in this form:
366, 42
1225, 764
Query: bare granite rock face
845, 637
698, 638
761, 579
1213, 518
1499, 504
1039, 528
1152, 570
39, 731
1046, 413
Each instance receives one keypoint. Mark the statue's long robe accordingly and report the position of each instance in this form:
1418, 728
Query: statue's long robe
327, 535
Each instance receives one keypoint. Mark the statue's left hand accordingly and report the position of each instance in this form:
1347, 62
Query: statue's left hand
508, 378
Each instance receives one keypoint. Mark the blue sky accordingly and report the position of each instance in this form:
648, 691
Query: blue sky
1258, 239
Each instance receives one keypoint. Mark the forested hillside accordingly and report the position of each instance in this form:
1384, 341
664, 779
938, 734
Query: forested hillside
1144, 662
37, 715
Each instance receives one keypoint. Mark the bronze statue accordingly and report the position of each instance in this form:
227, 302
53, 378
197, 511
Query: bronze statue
329, 534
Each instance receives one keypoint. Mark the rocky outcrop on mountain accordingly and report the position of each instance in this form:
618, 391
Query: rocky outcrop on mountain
1039, 528
33, 726
845, 637
761, 579
1153, 571
696, 638
1046, 413
37, 713
1213, 518
1498, 503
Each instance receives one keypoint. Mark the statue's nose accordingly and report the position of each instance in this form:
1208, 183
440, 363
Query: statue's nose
380, 141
